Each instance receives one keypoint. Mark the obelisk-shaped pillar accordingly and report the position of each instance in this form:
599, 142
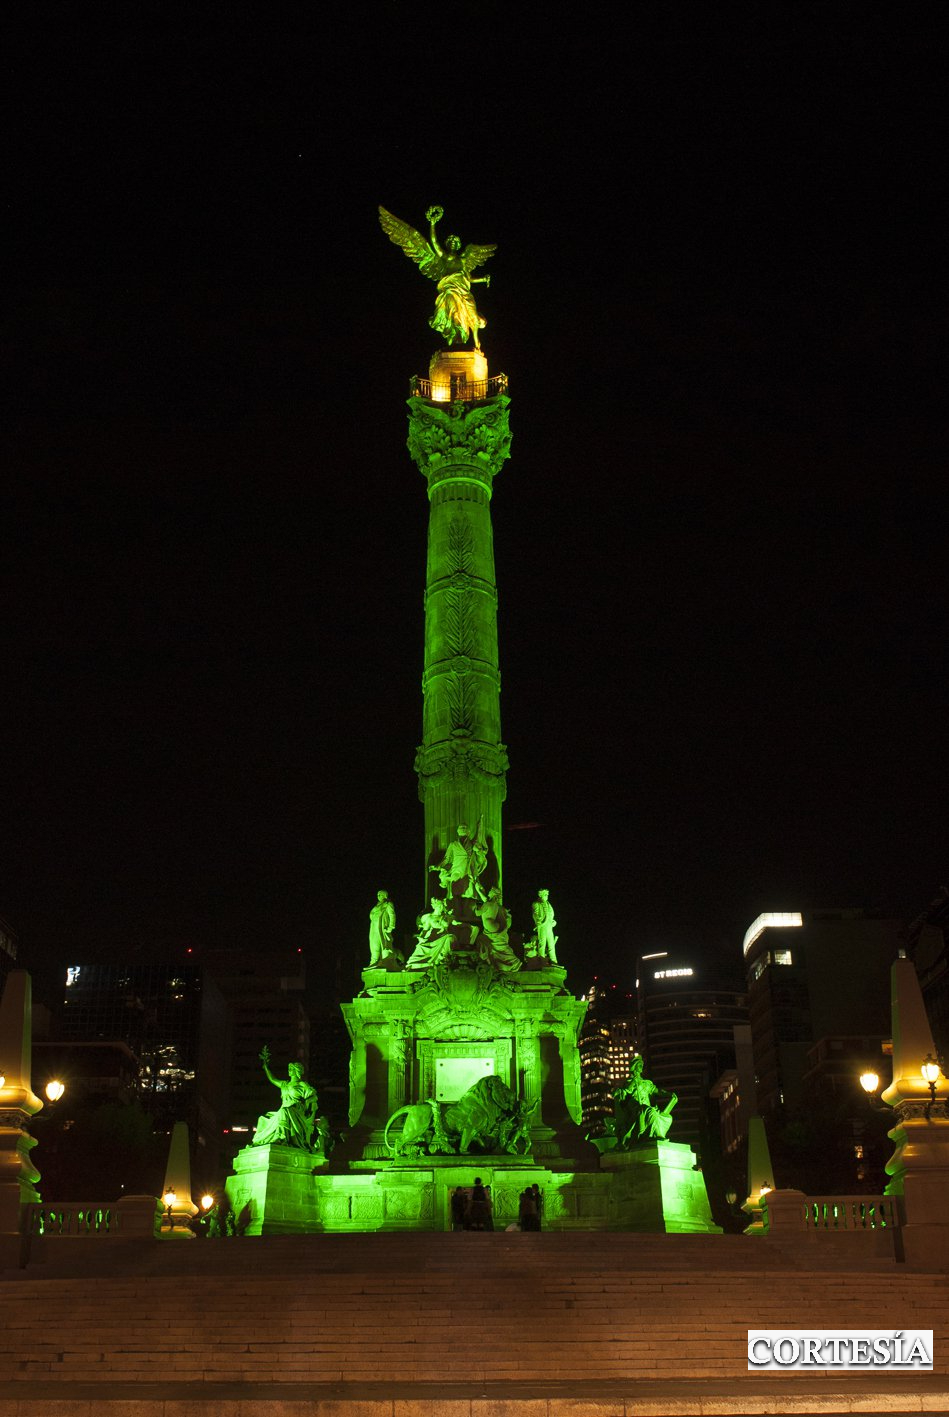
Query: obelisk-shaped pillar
459, 437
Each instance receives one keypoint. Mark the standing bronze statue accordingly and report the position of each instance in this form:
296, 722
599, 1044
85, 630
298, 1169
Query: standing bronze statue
456, 316
463, 863
545, 941
381, 929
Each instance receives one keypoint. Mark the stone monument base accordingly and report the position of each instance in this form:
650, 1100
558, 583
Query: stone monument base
275, 1184
652, 1190
657, 1189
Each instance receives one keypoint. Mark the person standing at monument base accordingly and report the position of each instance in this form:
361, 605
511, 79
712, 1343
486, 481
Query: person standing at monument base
459, 1203
527, 1210
479, 1213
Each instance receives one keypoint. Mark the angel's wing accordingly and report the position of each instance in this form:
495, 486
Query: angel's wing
475, 256
413, 243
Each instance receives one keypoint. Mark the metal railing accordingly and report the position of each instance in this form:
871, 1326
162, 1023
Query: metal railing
459, 390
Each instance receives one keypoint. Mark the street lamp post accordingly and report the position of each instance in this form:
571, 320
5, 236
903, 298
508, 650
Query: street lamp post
931, 1069
169, 1198
869, 1081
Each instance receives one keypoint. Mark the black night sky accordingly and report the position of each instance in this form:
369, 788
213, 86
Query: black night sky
720, 540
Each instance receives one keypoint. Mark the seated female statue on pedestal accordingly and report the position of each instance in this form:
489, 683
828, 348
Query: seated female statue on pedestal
292, 1123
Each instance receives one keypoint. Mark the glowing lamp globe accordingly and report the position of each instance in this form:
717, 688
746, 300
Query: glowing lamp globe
54, 1090
869, 1081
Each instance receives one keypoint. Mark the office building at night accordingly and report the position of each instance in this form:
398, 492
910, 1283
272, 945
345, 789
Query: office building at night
822, 974
687, 1019
265, 995
175, 1021
734, 1091
607, 1046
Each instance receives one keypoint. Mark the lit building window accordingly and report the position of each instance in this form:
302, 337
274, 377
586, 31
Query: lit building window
770, 920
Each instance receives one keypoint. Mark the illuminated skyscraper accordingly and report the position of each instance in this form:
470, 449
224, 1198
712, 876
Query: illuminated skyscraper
174, 1019
686, 1033
607, 1047
823, 974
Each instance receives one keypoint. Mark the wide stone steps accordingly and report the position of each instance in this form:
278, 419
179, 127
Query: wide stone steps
454, 1254
418, 1309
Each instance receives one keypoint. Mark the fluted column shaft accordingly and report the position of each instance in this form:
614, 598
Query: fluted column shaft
461, 762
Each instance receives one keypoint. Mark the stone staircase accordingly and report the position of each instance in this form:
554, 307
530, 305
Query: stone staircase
422, 1309
414, 1252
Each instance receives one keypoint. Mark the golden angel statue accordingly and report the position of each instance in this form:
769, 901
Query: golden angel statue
456, 315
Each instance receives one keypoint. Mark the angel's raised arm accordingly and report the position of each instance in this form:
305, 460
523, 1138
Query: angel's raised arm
433, 216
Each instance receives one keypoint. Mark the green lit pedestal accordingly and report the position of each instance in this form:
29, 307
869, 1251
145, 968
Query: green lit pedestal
414, 1033
274, 1185
655, 1188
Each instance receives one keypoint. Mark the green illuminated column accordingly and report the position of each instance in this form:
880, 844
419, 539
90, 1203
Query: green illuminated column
528, 1061
459, 437
398, 1058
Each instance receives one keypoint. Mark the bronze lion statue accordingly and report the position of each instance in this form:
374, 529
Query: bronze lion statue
488, 1118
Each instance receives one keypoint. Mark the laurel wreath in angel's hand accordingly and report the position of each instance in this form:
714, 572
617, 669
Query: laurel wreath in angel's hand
428, 255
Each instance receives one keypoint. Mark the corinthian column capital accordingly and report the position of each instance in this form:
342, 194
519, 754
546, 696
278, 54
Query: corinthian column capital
469, 441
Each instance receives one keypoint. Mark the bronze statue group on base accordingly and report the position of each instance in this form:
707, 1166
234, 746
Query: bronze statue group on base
466, 918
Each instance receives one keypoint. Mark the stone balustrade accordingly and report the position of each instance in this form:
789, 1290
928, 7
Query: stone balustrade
132, 1217
822, 1213
792, 1213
